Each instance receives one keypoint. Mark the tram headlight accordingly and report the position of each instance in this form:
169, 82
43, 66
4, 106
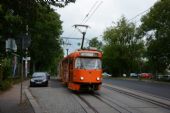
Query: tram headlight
81, 78
98, 78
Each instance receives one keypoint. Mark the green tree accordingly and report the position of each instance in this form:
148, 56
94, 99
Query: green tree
57, 3
156, 27
44, 28
46, 31
95, 43
123, 48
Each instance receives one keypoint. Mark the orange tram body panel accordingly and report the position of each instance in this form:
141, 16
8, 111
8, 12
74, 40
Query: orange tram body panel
82, 70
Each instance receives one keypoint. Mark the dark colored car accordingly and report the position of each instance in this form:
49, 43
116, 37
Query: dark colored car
48, 75
39, 78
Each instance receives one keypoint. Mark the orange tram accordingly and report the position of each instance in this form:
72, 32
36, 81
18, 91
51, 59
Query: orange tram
82, 70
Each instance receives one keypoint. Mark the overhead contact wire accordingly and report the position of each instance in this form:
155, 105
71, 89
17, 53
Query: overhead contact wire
94, 11
94, 5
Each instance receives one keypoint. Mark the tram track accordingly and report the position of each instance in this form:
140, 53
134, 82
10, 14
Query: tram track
86, 100
149, 98
111, 104
87, 105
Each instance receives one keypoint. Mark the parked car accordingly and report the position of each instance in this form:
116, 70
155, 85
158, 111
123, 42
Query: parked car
106, 74
39, 78
133, 75
163, 77
48, 75
146, 75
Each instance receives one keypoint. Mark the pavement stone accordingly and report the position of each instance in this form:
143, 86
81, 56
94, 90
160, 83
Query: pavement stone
55, 99
33, 102
10, 100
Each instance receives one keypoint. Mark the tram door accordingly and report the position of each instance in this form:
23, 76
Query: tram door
70, 70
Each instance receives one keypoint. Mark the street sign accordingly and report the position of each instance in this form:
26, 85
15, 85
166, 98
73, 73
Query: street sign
10, 45
27, 58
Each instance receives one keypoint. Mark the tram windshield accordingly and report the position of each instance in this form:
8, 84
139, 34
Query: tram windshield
88, 63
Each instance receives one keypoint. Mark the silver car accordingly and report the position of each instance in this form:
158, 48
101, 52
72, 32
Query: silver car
39, 78
133, 75
106, 74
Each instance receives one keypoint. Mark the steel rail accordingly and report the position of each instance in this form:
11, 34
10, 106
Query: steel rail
104, 100
158, 103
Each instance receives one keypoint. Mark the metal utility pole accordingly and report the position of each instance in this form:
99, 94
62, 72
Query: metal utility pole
67, 51
21, 79
25, 43
67, 44
26, 52
82, 32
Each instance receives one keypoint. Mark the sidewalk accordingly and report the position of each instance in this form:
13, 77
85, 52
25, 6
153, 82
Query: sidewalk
10, 100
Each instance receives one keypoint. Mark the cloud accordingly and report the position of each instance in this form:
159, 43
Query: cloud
108, 12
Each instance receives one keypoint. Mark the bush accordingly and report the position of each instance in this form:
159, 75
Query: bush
6, 84
6, 69
16, 80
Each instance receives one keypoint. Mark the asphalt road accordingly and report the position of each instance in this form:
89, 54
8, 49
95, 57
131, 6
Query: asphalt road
154, 88
57, 98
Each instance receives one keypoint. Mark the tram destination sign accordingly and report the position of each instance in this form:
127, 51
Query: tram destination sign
88, 54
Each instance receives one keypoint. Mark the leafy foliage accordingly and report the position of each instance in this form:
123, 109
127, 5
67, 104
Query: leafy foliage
95, 43
4, 85
44, 29
6, 68
123, 49
58, 3
156, 27
45, 38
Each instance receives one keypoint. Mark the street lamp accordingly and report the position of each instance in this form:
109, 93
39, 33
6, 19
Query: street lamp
67, 51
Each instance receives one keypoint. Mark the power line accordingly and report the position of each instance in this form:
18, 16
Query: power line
138, 14
94, 11
90, 11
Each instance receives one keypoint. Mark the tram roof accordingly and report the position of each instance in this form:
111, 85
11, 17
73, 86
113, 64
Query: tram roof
78, 53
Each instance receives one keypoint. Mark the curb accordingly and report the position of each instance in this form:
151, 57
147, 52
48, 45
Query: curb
161, 100
144, 80
33, 102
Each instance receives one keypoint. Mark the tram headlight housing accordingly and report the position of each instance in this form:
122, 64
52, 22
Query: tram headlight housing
81, 78
98, 78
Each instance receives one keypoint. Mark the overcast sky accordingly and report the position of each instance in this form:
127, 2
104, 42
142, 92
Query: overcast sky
107, 13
